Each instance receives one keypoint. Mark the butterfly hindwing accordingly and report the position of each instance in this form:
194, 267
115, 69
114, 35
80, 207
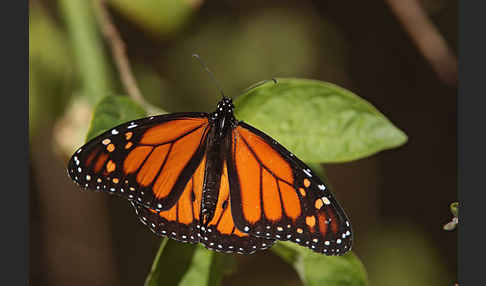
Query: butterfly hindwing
221, 233
181, 220
149, 160
275, 195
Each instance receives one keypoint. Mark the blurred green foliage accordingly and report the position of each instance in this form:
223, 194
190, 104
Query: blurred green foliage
162, 17
249, 53
50, 74
89, 57
400, 255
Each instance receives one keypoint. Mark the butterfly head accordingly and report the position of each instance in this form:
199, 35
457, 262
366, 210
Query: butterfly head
225, 108
226, 103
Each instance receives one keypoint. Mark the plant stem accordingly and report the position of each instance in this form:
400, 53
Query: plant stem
427, 38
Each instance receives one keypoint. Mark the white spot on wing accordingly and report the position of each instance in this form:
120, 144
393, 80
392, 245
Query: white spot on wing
114, 132
132, 125
326, 200
307, 172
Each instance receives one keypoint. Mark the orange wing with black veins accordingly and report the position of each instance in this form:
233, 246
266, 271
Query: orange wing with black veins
221, 233
149, 161
276, 196
179, 222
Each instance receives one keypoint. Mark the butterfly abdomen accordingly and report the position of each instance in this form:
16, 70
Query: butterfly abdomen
212, 180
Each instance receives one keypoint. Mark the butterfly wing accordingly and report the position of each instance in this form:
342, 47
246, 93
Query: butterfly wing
275, 195
180, 221
221, 233
149, 160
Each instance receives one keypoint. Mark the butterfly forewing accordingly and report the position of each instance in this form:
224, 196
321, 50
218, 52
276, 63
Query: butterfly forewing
148, 160
277, 196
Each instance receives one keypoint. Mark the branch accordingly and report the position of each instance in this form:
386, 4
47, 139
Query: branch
427, 38
119, 55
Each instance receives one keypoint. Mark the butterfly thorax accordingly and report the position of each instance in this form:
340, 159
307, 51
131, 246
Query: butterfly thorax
222, 119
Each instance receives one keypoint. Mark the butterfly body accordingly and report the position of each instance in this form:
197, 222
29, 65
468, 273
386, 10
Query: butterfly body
209, 178
222, 122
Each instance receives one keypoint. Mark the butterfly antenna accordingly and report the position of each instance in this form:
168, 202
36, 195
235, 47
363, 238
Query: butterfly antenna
205, 67
259, 84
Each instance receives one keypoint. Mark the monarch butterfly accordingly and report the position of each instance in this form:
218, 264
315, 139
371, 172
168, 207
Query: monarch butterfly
209, 178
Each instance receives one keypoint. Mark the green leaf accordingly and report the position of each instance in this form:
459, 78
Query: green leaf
171, 263
187, 264
318, 121
455, 209
112, 111
198, 271
222, 265
318, 269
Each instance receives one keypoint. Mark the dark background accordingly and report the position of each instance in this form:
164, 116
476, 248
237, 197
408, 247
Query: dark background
398, 200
